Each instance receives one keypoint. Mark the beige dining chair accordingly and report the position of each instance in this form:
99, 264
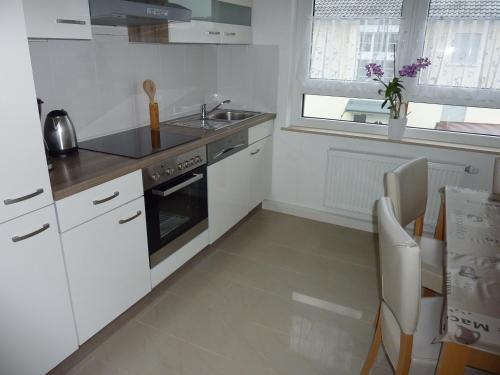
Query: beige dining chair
406, 323
407, 187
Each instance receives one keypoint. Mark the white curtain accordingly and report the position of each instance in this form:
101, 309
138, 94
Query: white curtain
341, 48
464, 53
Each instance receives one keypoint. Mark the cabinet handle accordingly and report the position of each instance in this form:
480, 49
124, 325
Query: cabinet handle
70, 22
213, 32
229, 34
229, 149
100, 201
255, 152
124, 221
23, 198
26, 236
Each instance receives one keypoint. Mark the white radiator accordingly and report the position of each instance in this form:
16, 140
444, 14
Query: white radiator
354, 181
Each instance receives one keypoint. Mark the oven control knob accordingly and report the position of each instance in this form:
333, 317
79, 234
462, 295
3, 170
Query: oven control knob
186, 164
179, 166
168, 172
197, 159
155, 176
191, 161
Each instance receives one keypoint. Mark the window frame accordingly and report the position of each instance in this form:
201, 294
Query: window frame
412, 33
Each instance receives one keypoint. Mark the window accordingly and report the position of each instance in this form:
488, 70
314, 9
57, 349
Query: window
459, 93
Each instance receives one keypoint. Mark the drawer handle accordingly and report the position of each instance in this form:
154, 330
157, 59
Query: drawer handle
23, 198
255, 152
101, 201
213, 32
124, 221
229, 34
26, 236
70, 22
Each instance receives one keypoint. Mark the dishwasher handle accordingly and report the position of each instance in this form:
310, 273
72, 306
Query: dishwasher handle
229, 149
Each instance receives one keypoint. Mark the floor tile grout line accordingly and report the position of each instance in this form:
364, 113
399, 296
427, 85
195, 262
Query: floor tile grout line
262, 262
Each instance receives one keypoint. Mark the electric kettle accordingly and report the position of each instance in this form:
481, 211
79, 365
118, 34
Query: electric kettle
59, 133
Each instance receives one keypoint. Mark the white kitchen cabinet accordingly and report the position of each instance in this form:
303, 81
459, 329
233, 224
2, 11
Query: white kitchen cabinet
239, 183
205, 32
202, 32
37, 330
260, 170
108, 266
228, 193
58, 19
98, 200
25, 182
235, 34
214, 22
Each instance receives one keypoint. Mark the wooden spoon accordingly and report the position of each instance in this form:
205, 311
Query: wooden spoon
150, 89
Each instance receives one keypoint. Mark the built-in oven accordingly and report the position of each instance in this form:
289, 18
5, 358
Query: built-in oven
176, 203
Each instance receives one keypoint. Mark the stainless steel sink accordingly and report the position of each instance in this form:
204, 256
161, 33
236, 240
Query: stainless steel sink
216, 120
232, 115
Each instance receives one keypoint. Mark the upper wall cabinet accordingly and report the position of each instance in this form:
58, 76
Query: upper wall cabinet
57, 19
214, 21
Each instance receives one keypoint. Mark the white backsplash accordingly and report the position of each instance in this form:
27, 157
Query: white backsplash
99, 82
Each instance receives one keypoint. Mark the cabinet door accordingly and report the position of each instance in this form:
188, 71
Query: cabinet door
36, 321
58, 19
194, 32
107, 272
260, 170
228, 193
235, 34
25, 182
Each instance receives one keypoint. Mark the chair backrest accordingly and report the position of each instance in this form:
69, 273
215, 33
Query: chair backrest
407, 187
399, 269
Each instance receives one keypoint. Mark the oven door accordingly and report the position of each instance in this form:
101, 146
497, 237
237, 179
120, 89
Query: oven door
176, 212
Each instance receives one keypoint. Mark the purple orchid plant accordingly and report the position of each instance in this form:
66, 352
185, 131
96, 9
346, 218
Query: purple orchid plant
394, 89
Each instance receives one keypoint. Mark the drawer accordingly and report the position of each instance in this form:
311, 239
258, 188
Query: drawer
98, 200
259, 132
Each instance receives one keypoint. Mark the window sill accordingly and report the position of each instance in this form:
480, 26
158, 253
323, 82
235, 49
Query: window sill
384, 138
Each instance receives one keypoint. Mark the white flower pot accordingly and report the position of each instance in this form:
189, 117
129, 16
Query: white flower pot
397, 127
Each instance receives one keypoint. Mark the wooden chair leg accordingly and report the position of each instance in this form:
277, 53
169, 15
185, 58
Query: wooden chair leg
419, 226
372, 354
405, 351
439, 234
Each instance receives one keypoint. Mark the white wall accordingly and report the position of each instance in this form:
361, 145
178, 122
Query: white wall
300, 159
99, 82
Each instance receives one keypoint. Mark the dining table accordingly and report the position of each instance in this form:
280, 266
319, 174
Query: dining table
471, 314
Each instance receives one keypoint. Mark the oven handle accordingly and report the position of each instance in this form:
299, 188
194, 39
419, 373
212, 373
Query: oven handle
166, 193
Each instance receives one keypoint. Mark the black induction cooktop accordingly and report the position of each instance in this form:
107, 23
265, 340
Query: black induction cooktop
137, 143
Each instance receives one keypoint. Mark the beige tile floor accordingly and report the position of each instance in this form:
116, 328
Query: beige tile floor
279, 295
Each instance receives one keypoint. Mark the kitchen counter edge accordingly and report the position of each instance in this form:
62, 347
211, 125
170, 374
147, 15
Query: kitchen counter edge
87, 169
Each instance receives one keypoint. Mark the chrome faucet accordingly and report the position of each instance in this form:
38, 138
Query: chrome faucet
204, 113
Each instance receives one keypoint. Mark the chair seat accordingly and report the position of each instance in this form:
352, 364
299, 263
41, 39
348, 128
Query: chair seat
432, 263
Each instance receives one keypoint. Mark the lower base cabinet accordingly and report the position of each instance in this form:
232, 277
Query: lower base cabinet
108, 266
237, 184
228, 193
37, 330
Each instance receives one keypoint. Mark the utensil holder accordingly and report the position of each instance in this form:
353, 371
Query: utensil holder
154, 116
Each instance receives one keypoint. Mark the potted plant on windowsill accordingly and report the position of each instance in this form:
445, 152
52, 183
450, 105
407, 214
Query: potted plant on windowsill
393, 93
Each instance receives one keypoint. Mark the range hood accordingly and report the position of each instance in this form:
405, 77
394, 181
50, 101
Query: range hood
136, 12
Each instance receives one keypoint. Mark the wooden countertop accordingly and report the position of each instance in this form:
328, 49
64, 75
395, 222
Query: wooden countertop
76, 173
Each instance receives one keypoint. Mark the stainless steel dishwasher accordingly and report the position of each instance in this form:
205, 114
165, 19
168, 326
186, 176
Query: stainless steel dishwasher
228, 187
